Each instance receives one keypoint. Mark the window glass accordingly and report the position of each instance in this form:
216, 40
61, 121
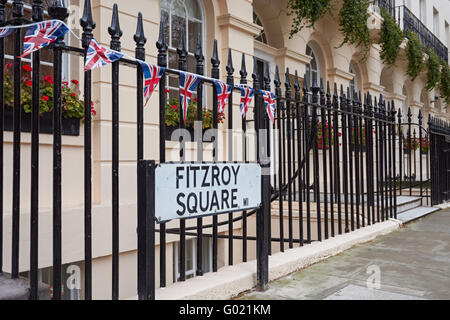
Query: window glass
354, 81
262, 35
178, 14
312, 69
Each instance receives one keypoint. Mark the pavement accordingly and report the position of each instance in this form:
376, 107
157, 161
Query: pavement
412, 263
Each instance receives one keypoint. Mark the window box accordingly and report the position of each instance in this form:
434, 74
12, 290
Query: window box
69, 126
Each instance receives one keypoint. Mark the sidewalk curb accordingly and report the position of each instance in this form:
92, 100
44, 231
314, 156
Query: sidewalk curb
231, 281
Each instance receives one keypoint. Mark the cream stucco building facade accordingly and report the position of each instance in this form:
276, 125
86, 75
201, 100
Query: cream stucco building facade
254, 27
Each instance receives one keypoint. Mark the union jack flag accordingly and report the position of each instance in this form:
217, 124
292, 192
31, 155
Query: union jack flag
152, 75
188, 83
42, 34
98, 56
246, 98
269, 101
223, 93
4, 32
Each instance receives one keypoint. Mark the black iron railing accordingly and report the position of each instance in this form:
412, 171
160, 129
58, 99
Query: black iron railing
340, 162
440, 160
408, 21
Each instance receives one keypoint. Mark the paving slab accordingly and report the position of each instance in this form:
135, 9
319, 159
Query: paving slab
411, 263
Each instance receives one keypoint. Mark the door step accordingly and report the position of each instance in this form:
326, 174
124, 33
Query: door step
18, 289
416, 213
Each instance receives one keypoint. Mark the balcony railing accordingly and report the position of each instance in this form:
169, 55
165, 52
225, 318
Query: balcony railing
389, 5
408, 21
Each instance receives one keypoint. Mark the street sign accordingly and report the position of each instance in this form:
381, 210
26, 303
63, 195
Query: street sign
201, 189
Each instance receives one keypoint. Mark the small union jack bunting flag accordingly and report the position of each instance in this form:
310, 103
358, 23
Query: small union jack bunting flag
188, 83
41, 35
269, 101
246, 98
98, 56
4, 32
152, 75
223, 93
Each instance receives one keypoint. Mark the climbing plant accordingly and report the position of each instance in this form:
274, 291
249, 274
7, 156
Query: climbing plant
444, 84
433, 69
391, 38
414, 53
307, 12
353, 25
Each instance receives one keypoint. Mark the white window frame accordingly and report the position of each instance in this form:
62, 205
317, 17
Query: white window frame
173, 50
436, 22
309, 70
353, 82
176, 258
262, 34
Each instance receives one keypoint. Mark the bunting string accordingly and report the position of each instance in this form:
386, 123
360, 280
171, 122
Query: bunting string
42, 34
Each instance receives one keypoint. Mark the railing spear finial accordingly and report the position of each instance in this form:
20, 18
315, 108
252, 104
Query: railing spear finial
87, 23
114, 30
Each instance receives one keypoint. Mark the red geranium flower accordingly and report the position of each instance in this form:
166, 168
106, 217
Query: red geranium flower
73, 95
167, 90
174, 107
9, 65
75, 82
29, 83
65, 83
45, 98
27, 68
48, 79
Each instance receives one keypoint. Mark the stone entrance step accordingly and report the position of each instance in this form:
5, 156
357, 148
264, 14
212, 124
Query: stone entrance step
416, 213
18, 289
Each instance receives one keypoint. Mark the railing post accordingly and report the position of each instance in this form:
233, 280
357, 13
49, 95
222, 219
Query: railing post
2, 117
288, 129
277, 83
88, 25
420, 156
115, 33
230, 81
17, 8
57, 11
146, 180
37, 14
215, 62
243, 80
162, 62
200, 58
140, 40
263, 213
314, 129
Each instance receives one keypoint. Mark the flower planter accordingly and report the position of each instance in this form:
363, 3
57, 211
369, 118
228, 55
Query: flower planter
171, 129
69, 127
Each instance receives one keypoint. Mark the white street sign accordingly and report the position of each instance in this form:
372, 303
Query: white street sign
200, 189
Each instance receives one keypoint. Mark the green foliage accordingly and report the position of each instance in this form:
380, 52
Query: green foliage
391, 38
444, 85
414, 52
72, 104
433, 67
173, 115
353, 25
306, 13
